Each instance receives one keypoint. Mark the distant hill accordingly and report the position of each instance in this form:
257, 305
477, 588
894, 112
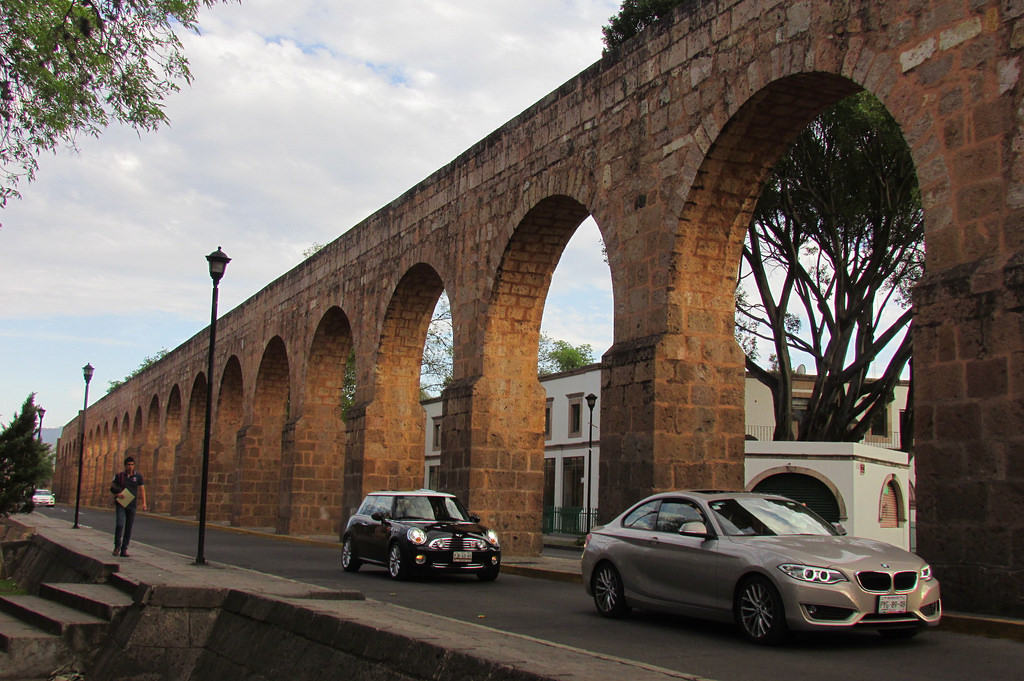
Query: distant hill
50, 435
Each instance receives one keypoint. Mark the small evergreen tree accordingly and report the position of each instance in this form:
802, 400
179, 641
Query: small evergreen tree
23, 460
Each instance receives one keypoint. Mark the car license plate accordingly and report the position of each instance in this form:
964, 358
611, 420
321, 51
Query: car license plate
892, 604
462, 556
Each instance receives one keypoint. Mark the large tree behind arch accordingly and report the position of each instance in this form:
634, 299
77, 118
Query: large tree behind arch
835, 243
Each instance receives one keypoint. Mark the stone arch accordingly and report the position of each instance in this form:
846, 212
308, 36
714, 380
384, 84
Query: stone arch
151, 434
258, 486
227, 422
159, 483
134, 443
494, 422
312, 501
391, 453
188, 453
832, 508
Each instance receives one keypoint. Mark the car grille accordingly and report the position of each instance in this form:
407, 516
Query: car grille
882, 582
458, 544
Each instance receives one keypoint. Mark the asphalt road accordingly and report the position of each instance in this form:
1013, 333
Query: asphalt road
562, 612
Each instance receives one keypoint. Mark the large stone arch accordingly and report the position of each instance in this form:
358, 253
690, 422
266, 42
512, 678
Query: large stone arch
312, 502
259, 483
151, 438
159, 482
188, 452
494, 421
230, 412
387, 452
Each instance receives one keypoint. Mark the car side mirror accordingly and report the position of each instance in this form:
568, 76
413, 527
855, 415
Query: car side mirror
694, 528
378, 516
474, 517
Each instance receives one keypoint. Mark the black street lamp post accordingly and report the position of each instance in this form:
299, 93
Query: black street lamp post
87, 371
591, 401
218, 263
42, 413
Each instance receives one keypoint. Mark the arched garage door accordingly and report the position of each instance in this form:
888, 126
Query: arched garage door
806, 490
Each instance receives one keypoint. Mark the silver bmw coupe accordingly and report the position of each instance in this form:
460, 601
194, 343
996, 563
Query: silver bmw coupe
766, 562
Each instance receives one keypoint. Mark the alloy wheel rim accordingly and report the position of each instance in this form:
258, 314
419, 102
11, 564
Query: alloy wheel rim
757, 611
606, 590
394, 560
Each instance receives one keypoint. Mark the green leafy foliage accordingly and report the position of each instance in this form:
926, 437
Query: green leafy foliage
556, 356
553, 356
70, 67
24, 460
633, 17
146, 363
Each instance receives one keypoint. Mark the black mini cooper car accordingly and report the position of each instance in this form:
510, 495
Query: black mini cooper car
419, 532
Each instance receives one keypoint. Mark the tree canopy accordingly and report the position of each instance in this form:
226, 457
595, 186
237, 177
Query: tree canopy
70, 67
146, 363
834, 246
553, 355
633, 17
24, 460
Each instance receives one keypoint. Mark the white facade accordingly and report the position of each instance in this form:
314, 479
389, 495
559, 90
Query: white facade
856, 475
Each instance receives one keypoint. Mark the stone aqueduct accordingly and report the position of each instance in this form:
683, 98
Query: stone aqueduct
666, 143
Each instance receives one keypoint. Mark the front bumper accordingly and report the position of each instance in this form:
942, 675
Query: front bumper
817, 607
425, 560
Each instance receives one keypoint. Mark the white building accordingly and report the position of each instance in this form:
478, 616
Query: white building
868, 486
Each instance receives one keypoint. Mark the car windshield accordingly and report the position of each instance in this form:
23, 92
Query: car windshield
760, 517
429, 508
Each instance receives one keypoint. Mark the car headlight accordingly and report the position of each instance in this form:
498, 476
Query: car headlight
925, 575
492, 537
815, 575
416, 536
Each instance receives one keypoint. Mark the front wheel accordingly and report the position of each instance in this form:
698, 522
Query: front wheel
760, 613
397, 566
349, 562
609, 593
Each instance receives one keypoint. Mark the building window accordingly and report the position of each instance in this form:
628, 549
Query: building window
800, 405
572, 481
547, 419
880, 424
435, 441
889, 506
575, 415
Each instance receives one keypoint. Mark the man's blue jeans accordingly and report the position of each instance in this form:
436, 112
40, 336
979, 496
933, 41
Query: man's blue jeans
124, 519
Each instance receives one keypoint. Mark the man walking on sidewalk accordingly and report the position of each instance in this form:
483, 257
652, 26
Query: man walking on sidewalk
128, 490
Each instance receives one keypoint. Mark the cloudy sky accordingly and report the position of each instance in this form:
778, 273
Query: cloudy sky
304, 117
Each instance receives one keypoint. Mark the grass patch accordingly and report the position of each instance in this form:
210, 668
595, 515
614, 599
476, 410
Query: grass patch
8, 587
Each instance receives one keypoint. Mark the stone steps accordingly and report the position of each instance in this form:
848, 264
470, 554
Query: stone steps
64, 622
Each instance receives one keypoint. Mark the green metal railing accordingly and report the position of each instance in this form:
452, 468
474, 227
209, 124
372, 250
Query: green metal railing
570, 520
